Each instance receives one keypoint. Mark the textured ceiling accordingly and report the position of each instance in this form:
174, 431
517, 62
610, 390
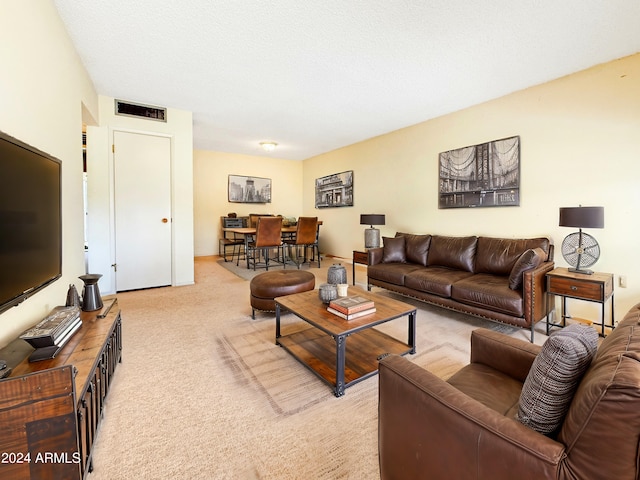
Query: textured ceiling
316, 75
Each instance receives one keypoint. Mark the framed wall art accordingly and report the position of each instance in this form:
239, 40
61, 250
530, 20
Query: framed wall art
335, 190
483, 175
249, 189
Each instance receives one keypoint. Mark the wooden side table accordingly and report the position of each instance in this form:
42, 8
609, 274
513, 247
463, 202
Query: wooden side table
597, 287
361, 257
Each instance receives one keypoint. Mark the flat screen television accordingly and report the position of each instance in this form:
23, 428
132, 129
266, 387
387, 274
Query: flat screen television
30, 221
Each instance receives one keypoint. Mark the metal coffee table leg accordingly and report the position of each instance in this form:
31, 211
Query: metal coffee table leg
341, 348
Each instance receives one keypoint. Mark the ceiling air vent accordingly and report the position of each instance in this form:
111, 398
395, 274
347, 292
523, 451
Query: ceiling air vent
141, 111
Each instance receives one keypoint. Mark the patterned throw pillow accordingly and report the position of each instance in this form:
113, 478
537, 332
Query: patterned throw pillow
531, 258
554, 377
393, 250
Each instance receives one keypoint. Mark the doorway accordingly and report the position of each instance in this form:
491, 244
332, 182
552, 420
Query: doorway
142, 210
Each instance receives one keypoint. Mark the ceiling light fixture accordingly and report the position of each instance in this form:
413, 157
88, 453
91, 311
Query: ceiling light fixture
268, 146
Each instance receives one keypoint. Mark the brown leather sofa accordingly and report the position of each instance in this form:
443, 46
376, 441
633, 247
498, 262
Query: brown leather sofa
465, 428
491, 278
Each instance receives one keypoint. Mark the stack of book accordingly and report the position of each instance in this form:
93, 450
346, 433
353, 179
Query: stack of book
351, 307
53, 332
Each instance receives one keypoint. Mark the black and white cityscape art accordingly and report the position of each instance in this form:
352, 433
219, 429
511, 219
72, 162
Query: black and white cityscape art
335, 190
483, 175
244, 189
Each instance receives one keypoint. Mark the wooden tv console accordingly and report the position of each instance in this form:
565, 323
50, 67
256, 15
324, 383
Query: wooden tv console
50, 410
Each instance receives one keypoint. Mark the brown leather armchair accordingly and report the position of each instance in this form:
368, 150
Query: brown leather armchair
465, 428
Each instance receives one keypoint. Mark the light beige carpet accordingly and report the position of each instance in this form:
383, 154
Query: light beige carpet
203, 392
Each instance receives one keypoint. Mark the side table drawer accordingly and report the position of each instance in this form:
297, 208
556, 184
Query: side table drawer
360, 257
579, 289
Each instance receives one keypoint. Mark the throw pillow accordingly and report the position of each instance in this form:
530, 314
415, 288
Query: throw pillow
554, 377
416, 247
531, 258
393, 250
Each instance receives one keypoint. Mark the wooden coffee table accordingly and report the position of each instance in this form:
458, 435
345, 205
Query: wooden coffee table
322, 345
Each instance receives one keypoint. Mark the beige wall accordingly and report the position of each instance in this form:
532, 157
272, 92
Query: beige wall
211, 172
579, 145
179, 128
44, 95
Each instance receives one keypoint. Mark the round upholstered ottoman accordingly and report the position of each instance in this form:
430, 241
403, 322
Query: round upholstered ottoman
269, 285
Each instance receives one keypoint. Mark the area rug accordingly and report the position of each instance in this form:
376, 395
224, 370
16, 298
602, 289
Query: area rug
245, 273
248, 348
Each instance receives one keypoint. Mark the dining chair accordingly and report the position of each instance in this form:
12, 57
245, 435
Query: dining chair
253, 218
306, 237
268, 237
235, 242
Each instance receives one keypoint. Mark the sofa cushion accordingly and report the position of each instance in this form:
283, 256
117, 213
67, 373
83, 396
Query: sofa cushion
393, 250
554, 376
453, 252
416, 247
489, 291
492, 388
393, 273
499, 255
532, 258
435, 280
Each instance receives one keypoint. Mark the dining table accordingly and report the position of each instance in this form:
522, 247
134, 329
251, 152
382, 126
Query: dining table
249, 232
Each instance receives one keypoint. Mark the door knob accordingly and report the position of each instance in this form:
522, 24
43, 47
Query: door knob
165, 220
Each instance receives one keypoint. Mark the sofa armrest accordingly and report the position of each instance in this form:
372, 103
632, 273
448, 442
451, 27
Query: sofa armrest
503, 353
429, 429
534, 288
375, 255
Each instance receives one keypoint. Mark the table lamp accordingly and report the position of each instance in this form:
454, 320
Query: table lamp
580, 249
371, 234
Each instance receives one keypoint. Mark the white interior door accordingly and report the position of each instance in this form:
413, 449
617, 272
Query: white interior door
142, 191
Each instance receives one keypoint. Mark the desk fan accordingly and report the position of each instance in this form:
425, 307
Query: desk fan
580, 249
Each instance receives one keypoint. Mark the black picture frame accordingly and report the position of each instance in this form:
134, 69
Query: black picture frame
483, 175
335, 190
244, 189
